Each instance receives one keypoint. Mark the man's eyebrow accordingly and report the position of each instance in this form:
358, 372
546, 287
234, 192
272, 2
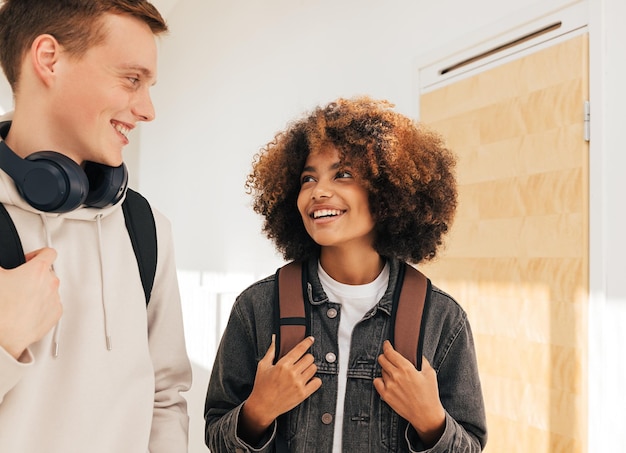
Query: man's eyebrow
140, 69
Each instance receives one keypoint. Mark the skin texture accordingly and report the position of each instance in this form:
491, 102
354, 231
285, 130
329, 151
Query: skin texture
413, 394
344, 224
108, 87
278, 388
29, 301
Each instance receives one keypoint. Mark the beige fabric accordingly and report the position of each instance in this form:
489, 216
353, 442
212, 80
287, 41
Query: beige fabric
90, 399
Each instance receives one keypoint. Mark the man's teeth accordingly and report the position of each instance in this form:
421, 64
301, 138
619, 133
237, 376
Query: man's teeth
122, 130
326, 213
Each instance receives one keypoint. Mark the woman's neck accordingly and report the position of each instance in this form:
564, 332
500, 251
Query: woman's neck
350, 267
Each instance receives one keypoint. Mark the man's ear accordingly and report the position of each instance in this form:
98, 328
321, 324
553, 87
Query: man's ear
44, 54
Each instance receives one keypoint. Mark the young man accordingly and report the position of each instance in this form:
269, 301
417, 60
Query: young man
85, 365
353, 191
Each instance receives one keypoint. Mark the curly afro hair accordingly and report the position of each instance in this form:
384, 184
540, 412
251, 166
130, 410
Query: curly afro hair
406, 169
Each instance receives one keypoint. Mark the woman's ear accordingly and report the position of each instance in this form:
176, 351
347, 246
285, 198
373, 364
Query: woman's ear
44, 54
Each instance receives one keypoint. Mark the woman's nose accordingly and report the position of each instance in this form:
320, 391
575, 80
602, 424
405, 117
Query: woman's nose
321, 190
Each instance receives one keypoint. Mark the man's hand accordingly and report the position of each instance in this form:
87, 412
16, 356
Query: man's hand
29, 301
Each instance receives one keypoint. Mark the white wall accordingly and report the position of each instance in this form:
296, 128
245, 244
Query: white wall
233, 72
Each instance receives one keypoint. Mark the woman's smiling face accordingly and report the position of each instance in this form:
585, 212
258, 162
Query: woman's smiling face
333, 205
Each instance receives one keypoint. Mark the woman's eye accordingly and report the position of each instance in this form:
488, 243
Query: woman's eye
344, 174
307, 178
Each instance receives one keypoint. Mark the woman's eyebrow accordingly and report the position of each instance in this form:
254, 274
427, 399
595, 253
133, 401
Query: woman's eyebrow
334, 166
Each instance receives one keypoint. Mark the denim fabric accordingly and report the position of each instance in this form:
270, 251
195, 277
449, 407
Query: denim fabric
369, 424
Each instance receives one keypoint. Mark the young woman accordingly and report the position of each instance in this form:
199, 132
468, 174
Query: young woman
352, 191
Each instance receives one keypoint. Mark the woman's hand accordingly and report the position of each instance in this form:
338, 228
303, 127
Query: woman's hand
278, 388
413, 394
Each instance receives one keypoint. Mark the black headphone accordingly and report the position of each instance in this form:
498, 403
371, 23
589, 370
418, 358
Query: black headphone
52, 182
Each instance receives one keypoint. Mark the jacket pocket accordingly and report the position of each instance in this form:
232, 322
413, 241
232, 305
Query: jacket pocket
289, 424
389, 424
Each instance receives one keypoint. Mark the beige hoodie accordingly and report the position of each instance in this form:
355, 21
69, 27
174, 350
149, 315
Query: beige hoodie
87, 398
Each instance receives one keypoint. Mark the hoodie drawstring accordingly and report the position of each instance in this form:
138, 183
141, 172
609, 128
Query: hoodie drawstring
107, 337
57, 328
55, 335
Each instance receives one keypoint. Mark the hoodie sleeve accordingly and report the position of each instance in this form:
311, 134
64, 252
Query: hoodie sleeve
172, 370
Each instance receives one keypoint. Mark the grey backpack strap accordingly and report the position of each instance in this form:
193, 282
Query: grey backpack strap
11, 251
411, 299
142, 231
290, 309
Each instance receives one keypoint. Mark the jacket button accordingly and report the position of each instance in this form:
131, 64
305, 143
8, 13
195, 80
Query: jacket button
331, 313
331, 358
327, 418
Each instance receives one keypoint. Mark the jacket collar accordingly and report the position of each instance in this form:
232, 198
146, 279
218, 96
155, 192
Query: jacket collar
317, 296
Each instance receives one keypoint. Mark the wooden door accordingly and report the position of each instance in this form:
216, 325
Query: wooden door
517, 256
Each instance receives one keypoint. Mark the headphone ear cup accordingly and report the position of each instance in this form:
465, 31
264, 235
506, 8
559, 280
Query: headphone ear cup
53, 182
107, 185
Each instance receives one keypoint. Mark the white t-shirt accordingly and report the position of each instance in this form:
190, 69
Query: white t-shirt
355, 300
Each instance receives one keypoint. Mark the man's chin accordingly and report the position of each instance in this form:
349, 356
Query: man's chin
112, 160
116, 163
108, 162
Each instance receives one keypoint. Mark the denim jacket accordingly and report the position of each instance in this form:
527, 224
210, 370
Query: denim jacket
369, 425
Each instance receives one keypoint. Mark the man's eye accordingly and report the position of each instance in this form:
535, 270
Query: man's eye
133, 80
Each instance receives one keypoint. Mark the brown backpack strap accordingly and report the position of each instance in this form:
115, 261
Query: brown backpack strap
291, 310
411, 297
409, 313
